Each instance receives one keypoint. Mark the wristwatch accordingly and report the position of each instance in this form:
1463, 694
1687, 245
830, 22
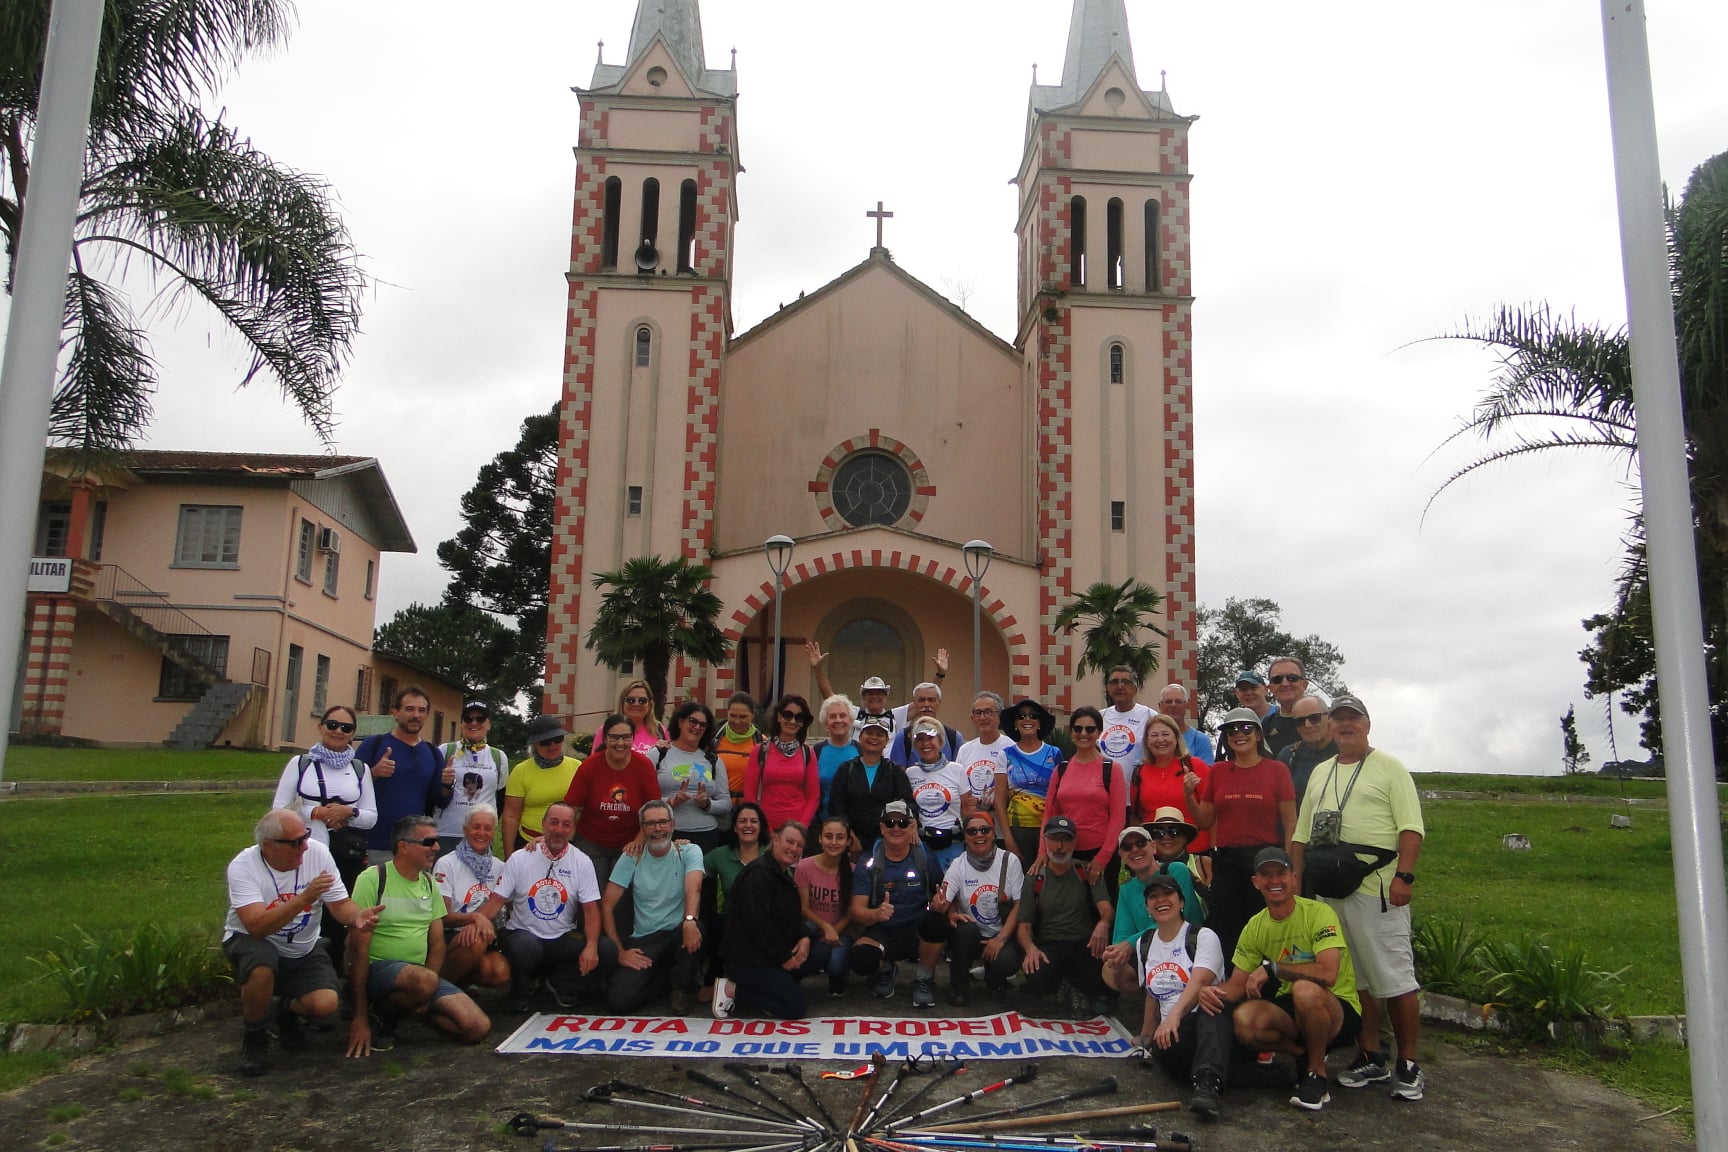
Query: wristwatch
689, 919
1407, 877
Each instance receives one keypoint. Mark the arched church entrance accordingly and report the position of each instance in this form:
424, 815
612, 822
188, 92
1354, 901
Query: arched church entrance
871, 638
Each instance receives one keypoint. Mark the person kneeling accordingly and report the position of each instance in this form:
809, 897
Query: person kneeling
393, 967
1294, 989
768, 961
466, 877
665, 937
1176, 962
892, 890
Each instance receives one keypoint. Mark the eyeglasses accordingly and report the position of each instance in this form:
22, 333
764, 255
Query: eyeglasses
297, 842
1241, 729
1118, 682
1311, 718
981, 830
896, 822
609, 736
1169, 704
984, 711
1165, 833
338, 726
1134, 842
1083, 729
422, 841
1288, 678
655, 823
637, 700
696, 720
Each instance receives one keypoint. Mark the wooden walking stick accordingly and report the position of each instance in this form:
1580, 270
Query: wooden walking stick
1058, 1118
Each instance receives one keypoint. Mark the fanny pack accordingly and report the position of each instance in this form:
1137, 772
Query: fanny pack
940, 838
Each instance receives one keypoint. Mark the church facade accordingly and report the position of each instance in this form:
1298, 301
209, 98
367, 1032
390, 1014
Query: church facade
874, 422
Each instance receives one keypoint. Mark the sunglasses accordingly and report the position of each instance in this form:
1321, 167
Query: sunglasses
1241, 729
696, 720
1083, 729
474, 719
423, 841
896, 822
1315, 718
1133, 842
551, 740
637, 700
339, 726
793, 714
980, 830
1290, 678
1166, 833
297, 842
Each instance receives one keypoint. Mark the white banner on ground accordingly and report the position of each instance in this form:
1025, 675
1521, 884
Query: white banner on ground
1007, 1036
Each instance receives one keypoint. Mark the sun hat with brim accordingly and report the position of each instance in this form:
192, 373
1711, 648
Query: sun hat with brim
1170, 815
1239, 716
1046, 721
884, 722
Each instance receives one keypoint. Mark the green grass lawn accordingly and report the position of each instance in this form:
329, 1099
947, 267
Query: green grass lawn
38, 763
1593, 786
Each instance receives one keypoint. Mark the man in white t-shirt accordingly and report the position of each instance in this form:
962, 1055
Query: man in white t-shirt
479, 773
554, 900
939, 790
981, 897
270, 935
985, 756
1124, 737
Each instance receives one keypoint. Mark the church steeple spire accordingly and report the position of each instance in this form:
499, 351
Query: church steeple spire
679, 22
1097, 30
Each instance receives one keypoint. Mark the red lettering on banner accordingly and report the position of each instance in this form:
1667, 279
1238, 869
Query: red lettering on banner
612, 1024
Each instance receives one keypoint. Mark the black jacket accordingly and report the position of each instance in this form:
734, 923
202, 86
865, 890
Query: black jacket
858, 802
764, 900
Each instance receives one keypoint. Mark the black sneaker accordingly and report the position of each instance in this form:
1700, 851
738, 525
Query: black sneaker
1370, 1068
958, 997
884, 989
383, 1030
1409, 1082
1205, 1100
289, 1032
1311, 1092
254, 1051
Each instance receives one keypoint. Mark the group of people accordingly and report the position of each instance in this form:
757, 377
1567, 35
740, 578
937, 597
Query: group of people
706, 857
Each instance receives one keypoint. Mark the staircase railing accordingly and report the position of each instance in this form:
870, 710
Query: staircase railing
116, 585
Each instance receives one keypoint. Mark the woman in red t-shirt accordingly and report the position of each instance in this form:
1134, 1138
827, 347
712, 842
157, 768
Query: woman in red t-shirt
1248, 803
1157, 781
608, 791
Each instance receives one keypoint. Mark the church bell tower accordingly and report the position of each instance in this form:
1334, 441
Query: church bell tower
1105, 304
648, 317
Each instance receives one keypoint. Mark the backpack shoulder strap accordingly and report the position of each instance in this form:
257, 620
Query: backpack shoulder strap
1106, 767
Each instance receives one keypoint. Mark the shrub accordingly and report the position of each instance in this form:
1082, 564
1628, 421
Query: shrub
146, 969
1544, 985
1449, 957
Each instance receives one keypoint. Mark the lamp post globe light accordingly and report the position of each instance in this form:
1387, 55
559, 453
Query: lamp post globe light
778, 549
978, 554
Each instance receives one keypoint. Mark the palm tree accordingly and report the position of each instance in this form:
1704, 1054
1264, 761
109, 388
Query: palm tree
1564, 384
654, 610
185, 199
1114, 615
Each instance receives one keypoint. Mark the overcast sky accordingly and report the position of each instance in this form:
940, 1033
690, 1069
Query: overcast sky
1365, 175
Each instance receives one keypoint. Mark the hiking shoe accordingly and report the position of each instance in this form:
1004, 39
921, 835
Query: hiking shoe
1368, 1069
1205, 1100
680, 1002
924, 993
836, 989
724, 1000
1311, 1092
254, 1050
383, 1031
885, 982
289, 1032
1408, 1083
958, 997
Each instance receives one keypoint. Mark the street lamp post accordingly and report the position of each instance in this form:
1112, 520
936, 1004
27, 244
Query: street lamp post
778, 549
978, 553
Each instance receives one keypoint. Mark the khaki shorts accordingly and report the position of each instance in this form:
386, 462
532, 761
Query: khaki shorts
1379, 942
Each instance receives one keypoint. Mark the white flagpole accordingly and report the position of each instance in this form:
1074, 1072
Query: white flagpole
1673, 560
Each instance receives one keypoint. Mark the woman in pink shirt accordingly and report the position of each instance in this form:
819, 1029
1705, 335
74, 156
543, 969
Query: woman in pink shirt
782, 776
1090, 791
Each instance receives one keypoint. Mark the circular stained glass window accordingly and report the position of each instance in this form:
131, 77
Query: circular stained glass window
871, 488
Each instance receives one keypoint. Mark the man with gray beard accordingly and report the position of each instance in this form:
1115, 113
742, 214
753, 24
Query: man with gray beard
1065, 923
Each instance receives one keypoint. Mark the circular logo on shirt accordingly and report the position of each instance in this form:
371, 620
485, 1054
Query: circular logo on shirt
985, 906
547, 898
474, 897
291, 929
1118, 741
981, 776
932, 798
1166, 979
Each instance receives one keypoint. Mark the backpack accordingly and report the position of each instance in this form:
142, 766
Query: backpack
1105, 767
1187, 763
762, 765
347, 845
1190, 943
1193, 889
499, 761
932, 878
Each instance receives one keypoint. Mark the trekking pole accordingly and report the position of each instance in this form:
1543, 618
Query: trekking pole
760, 1112
693, 1101
878, 1062
1025, 1075
1057, 1118
1105, 1087
747, 1075
602, 1094
797, 1073
900, 1074
954, 1068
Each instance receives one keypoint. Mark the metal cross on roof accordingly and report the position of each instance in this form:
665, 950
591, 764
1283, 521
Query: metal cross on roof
879, 215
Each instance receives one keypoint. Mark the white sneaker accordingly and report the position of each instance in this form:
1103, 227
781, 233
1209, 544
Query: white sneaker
723, 999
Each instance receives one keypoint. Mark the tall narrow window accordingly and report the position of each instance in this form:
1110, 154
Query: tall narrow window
650, 211
1077, 241
609, 233
303, 553
1115, 363
1113, 245
687, 226
633, 500
1154, 281
98, 528
363, 689
54, 528
332, 567
1118, 515
644, 346
291, 691
320, 684
371, 580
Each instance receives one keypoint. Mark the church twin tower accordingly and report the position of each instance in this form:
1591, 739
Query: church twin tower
874, 422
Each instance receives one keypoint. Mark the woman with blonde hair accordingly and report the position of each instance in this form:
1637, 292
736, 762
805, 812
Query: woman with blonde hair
636, 704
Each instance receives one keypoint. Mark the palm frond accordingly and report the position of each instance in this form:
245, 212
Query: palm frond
103, 399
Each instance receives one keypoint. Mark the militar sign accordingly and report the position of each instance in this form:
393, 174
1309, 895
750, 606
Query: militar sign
1007, 1036
50, 574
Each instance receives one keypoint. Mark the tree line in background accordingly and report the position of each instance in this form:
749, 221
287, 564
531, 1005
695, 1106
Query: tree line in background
1567, 384
489, 629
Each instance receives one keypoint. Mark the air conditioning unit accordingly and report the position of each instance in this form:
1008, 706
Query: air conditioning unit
329, 540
